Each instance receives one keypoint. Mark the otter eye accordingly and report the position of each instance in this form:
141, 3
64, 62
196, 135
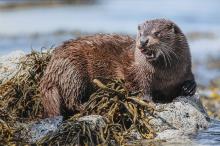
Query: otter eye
157, 34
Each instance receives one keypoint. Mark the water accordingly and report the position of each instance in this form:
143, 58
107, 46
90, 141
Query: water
210, 136
24, 29
115, 16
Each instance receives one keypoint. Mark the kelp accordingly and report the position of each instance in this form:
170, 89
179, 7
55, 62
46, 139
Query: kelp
20, 95
122, 110
6, 130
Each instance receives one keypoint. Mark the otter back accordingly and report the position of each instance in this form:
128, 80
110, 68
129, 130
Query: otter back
68, 78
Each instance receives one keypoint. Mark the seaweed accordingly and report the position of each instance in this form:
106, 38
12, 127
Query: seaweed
6, 131
20, 95
122, 110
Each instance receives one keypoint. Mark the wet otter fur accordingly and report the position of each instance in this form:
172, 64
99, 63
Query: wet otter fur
158, 63
68, 78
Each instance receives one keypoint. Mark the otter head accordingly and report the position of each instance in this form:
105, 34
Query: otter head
158, 39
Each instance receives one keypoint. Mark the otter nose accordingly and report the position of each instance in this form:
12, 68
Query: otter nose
144, 42
148, 41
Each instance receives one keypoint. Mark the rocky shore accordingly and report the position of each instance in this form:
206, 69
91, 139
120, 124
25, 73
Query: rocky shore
173, 121
181, 119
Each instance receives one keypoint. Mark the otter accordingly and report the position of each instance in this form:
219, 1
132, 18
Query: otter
158, 62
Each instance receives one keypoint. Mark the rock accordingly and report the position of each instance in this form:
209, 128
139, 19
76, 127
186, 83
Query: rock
179, 119
176, 122
9, 65
32, 132
94, 121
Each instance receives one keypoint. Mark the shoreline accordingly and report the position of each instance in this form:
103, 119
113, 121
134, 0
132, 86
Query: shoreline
48, 3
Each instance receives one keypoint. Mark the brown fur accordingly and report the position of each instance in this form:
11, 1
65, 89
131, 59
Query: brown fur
68, 78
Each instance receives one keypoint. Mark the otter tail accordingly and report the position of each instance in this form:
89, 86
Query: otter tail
51, 102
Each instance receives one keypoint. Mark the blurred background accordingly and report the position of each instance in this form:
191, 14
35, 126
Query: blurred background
37, 24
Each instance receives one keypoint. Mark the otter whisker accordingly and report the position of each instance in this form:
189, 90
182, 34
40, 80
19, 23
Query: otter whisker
172, 51
169, 50
175, 55
167, 54
168, 57
164, 57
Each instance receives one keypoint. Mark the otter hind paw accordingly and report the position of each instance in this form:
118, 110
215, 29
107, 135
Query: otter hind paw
188, 88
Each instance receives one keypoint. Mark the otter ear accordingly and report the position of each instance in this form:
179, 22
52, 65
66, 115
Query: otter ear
175, 29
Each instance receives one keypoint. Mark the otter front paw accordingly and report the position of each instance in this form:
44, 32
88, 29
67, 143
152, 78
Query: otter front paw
188, 88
